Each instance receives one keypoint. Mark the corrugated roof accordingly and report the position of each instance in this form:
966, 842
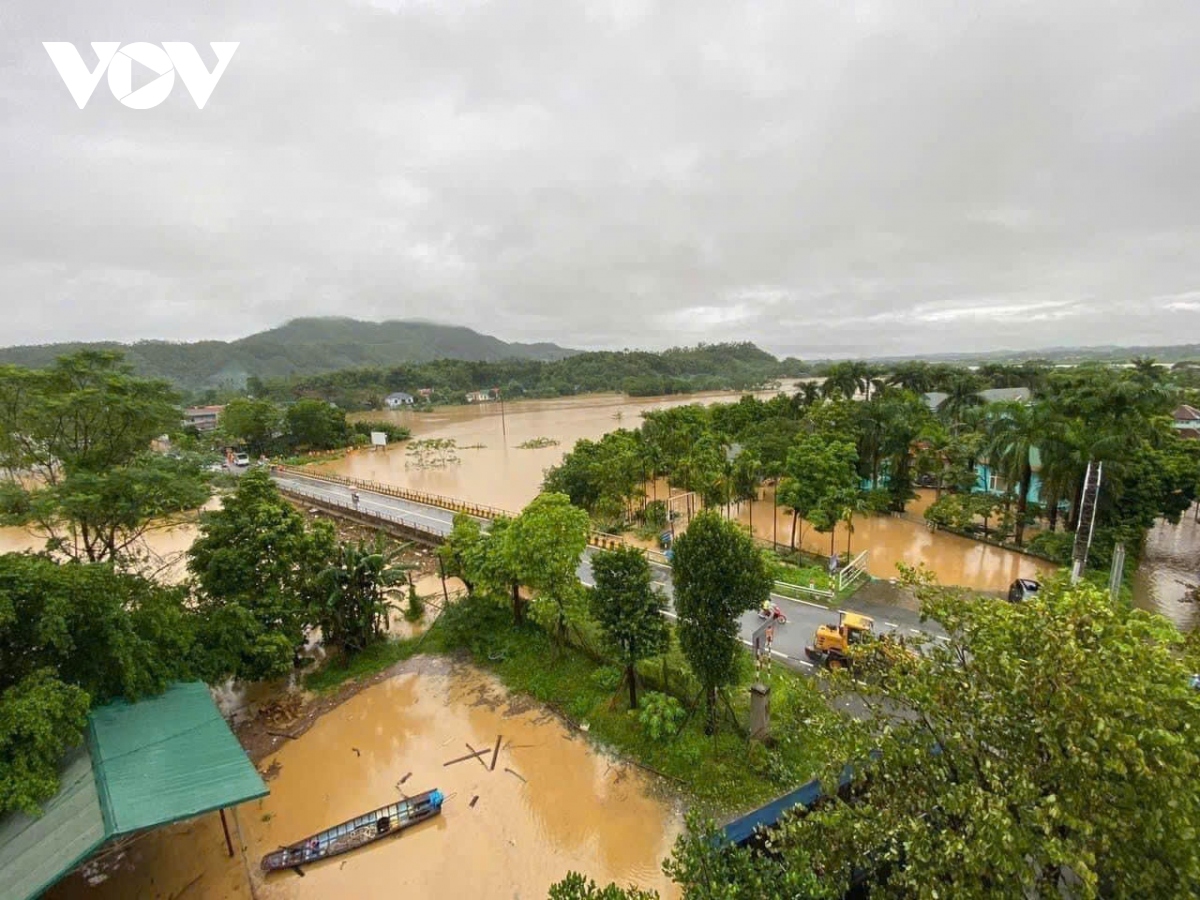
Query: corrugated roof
35, 853
160, 760
167, 758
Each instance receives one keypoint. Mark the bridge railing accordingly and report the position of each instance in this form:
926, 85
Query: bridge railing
358, 511
599, 539
479, 510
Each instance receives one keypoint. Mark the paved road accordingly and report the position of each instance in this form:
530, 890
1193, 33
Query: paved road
789, 640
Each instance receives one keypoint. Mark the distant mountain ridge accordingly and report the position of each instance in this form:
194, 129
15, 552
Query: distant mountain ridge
301, 347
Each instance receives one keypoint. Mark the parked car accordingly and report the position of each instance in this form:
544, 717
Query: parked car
217, 467
1022, 589
241, 459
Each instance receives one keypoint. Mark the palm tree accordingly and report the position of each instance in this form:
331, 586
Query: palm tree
808, 395
1014, 429
842, 379
962, 393
912, 376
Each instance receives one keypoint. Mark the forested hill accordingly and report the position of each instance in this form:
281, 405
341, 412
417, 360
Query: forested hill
639, 373
300, 348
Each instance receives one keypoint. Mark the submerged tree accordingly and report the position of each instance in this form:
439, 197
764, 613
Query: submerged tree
629, 609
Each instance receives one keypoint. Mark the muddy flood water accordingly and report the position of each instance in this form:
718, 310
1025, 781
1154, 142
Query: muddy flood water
552, 804
493, 470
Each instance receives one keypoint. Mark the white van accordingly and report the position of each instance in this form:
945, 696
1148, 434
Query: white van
241, 459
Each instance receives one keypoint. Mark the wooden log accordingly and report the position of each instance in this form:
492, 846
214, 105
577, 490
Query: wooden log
475, 755
496, 752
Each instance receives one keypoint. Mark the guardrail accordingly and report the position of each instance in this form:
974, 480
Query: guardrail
819, 593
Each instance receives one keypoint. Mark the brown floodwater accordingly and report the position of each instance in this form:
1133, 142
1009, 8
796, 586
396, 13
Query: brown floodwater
568, 806
496, 472
1170, 571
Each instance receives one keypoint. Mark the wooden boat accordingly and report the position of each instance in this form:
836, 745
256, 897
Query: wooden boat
357, 832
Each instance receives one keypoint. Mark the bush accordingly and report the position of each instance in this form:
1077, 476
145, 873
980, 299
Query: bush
607, 678
660, 715
1054, 545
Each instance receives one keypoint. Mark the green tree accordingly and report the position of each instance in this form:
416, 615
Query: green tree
75, 442
747, 480
820, 475
315, 425
1013, 432
354, 611
256, 565
71, 636
542, 548
629, 609
41, 718
1067, 744
962, 393
718, 574
255, 423
463, 551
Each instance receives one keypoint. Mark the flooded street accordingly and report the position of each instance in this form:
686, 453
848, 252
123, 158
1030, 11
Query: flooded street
568, 806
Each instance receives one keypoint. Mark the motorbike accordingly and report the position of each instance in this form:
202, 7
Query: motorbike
776, 614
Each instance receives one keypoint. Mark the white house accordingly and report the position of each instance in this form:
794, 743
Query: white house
398, 399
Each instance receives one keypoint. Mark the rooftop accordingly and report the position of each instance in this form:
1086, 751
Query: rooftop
144, 764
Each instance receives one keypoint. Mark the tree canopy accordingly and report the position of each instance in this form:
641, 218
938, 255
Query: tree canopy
257, 566
629, 609
72, 636
75, 443
718, 574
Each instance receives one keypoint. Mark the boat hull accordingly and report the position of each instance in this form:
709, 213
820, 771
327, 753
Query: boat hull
368, 828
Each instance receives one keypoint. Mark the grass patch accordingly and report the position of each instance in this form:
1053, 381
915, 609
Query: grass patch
374, 659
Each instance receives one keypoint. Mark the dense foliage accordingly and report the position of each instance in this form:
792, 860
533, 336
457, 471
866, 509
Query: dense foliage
640, 373
71, 636
629, 610
718, 574
300, 347
75, 444
257, 565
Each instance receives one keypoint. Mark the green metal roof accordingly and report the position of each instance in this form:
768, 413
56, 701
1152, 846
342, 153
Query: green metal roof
160, 760
35, 853
166, 758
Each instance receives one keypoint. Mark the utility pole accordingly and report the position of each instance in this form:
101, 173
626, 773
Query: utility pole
503, 426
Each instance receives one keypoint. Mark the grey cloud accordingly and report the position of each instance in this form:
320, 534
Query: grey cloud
821, 177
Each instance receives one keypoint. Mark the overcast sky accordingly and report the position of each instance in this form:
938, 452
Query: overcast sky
823, 177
